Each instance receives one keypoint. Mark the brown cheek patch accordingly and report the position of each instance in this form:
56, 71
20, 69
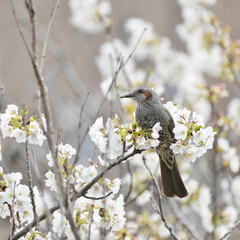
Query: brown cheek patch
148, 94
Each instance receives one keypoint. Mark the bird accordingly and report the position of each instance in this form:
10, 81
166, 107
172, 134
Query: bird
150, 110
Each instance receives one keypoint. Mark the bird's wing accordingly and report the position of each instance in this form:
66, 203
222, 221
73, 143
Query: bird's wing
171, 124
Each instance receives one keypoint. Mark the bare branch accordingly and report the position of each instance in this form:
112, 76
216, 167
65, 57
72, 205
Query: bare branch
33, 20
138, 195
69, 216
29, 173
131, 182
79, 128
20, 30
11, 210
34, 223
90, 224
158, 207
110, 166
230, 231
98, 198
1, 100
186, 224
53, 13
121, 64
215, 171
135, 47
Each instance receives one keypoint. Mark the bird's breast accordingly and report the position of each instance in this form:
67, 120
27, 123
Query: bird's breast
147, 116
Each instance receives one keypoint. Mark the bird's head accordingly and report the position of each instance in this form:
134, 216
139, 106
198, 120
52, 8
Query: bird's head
142, 94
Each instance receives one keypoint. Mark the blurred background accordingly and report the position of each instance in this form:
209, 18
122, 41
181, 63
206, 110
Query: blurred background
70, 69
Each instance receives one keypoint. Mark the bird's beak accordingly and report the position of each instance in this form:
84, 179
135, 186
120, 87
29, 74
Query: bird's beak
129, 95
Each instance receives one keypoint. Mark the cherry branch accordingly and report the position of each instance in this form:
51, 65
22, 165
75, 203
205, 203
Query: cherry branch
158, 206
237, 224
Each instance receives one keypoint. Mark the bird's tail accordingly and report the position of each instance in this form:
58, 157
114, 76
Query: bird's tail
172, 183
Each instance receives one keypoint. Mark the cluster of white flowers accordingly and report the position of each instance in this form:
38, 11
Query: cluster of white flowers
9, 186
229, 154
193, 138
234, 114
35, 234
112, 139
236, 190
206, 44
90, 15
229, 216
105, 213
149, 47
152, 223
98, 205
196, 2
65, 152
15, 199
199, 200
202, 207
147, 143
12, 125
107, 140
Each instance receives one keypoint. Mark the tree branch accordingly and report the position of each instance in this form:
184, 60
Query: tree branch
79, 127
230, 231
53, 13
131, 183
90, 224
30, 180
192, 231
98, 198
20, 30
158, 207
130, 201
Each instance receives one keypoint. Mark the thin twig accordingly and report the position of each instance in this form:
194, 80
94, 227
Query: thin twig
79, 128
121, 64
1, 100
34, 223
230, 230
33, 20
53, 13
98, 198
29, 173
186, 224
158, 207
135, 47
215, 171
11, 210
20, 30
131, 182
130, 201
90, 224
71, 220
110, 166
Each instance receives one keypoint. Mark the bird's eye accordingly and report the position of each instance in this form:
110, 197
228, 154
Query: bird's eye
141, 91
